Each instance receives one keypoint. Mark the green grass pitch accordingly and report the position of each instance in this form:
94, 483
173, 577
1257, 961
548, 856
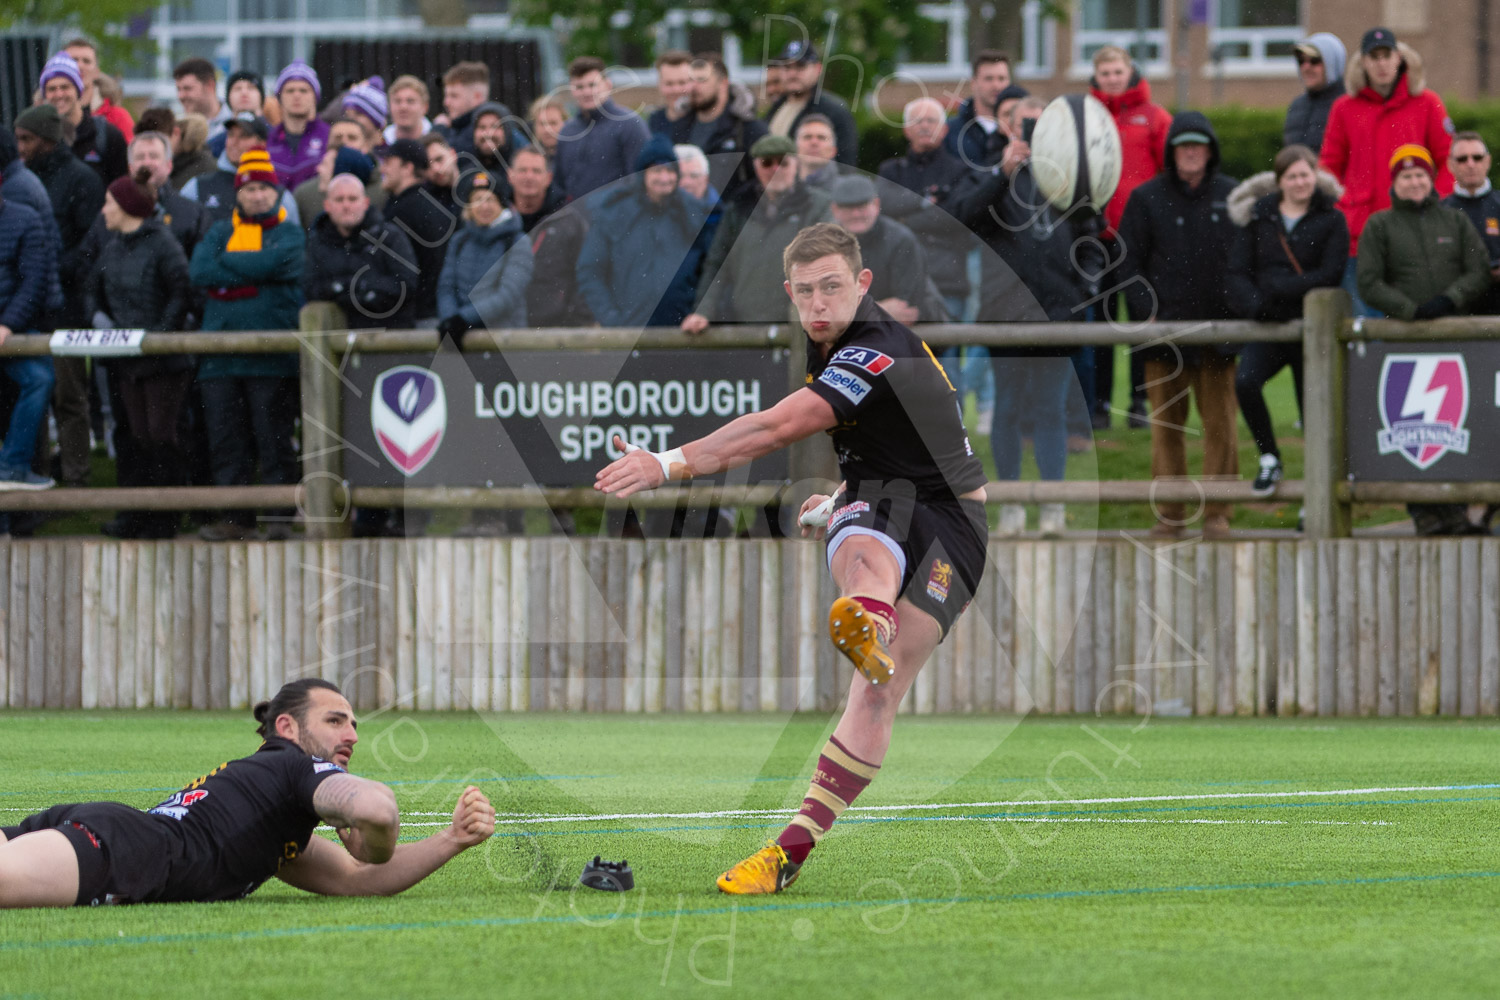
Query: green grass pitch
1056, 857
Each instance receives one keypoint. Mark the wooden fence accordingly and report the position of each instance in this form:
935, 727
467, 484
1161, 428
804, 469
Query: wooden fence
1388, 627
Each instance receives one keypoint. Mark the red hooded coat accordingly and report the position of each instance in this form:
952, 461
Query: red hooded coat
1364, 130
1143, 139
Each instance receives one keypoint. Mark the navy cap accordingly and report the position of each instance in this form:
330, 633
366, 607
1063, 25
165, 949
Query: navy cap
250, 122
799, 52
1377, 38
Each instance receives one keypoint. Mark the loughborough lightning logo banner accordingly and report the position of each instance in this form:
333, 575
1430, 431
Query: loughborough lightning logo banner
409, 414
1424, 401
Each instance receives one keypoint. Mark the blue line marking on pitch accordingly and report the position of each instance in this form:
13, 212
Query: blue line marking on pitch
708, 911
847, 820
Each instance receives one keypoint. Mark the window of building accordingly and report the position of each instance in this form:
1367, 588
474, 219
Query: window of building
1255, 35
266, 55
1133, 25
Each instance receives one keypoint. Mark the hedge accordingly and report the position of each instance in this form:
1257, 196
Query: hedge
1248, 137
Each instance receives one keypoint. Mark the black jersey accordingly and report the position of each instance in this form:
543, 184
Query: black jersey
899, 416
235, 827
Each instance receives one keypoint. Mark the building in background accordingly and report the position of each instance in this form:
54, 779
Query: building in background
1193, 52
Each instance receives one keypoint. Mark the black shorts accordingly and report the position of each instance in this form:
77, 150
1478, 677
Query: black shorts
123, 853
939, 546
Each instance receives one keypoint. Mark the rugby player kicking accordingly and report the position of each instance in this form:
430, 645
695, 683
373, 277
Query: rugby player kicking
243, 822
906, 533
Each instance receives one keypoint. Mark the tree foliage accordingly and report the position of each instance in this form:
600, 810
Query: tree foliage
860, 40
108, 22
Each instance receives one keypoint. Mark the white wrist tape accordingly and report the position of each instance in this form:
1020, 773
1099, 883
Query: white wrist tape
663, 458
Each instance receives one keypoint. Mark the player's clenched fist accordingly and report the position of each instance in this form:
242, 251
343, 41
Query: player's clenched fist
473, 818
813, 517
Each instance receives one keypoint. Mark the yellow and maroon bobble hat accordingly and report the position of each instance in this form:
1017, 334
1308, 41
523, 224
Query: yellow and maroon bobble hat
1409, 155
256, 167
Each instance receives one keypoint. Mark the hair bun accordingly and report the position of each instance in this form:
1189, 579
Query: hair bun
260, 711
142, 176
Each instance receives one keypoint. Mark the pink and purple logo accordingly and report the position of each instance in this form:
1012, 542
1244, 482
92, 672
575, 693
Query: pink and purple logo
1424, 399
409, 415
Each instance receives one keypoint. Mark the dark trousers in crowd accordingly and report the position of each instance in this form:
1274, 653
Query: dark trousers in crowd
250, 421
1259, 363
70, 406
1104, 378
151, 408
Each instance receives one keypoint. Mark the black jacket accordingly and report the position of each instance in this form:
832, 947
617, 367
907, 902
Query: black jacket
1484, 213
102, 147
1307, 116
428, 222
141, 282
730, 169
823, 103
557, 234
1261, 282
1028, 273
187, 222
77, 197
363, 273
1175, 240
918, 195
894, 255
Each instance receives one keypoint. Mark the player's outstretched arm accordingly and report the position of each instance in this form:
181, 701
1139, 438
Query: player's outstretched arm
363, 812
325, 869
739, 442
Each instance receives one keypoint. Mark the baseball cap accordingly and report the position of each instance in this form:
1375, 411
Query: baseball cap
1377, 38
799, 52
250, 122
1189, 137
854, 189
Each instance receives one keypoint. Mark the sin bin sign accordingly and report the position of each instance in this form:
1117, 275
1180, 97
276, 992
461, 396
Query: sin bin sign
544, 418
1424, 412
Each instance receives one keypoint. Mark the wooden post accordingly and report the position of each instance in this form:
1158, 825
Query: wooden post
324, 504
1326, 460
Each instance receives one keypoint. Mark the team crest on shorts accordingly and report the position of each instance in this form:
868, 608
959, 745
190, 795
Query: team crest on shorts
409, 414
1424, 400
847, 513
939, 580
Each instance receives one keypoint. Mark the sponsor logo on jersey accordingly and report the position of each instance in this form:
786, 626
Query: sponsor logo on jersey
847, 513
871, 361
1424, 400
409, 414
846, 384
176, 806
319, 766
939, 580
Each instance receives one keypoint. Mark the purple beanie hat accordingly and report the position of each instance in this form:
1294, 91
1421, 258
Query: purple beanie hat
369, 99
62, 65
299, 70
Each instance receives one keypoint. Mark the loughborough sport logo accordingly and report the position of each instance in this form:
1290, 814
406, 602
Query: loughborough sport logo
1424, 399
409, 415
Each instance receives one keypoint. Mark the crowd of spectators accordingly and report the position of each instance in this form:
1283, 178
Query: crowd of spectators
403, 207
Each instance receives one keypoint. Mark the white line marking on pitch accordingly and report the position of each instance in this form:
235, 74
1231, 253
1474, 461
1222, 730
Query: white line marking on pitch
1101, 819
513, 819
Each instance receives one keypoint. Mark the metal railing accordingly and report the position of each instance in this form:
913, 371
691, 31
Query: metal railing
323, 497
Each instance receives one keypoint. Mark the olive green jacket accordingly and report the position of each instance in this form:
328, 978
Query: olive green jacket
1414, 251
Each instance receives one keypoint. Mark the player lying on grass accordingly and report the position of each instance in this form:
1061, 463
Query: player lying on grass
246, 820
906, 534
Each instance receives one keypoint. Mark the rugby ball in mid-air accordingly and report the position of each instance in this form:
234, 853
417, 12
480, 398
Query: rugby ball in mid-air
1075, 153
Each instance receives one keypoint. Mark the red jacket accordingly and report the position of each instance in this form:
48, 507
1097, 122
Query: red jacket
1364, 130
1143, 139
118, 117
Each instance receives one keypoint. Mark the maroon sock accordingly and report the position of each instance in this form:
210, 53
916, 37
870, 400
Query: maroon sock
840, 777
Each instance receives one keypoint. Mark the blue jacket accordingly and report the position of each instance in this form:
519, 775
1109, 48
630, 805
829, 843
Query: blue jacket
250, 290
486, 274
640, 261
595, 148
23, 187
28, 266
967, 139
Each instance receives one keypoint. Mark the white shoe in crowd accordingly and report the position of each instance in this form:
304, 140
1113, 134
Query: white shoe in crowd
1012, 521
1054, 520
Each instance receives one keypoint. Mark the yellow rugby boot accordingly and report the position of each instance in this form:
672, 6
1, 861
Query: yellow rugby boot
855, 634
766, 871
